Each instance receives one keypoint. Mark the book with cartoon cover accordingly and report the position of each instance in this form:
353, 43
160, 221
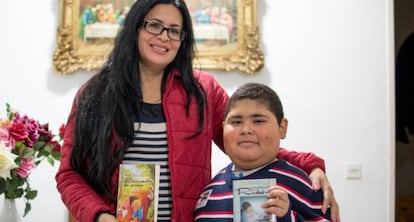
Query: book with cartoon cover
248, 195
138, 193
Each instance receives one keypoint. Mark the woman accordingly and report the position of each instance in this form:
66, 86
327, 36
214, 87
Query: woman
147, 104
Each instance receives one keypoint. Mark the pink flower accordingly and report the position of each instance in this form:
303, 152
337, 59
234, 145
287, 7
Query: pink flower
18, 131
26, 167
24, 129
5, 137
4, 134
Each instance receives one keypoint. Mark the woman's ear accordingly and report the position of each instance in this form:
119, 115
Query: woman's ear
283, 128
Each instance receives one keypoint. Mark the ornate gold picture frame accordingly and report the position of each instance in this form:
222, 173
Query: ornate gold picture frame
84, 45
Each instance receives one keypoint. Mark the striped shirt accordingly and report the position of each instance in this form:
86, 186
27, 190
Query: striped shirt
150, 146
216, 202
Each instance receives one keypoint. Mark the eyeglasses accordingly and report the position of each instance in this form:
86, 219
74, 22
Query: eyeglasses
157, 29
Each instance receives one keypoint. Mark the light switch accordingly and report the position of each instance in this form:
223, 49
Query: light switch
353, 171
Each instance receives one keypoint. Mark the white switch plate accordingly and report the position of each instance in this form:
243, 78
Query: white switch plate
353, 171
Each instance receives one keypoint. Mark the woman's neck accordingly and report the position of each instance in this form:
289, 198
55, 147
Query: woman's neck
151, 86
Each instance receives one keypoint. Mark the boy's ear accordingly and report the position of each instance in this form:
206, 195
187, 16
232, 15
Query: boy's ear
283, 128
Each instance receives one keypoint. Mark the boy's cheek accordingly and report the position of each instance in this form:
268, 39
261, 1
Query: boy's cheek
230, 136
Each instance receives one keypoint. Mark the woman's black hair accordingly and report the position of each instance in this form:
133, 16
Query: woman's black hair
111, 98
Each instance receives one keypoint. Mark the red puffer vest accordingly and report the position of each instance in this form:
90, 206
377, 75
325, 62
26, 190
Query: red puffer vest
190, 159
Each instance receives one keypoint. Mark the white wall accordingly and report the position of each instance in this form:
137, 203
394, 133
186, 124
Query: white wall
330, 61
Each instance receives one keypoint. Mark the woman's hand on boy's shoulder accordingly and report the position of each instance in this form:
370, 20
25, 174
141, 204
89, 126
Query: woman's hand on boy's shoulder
320, 181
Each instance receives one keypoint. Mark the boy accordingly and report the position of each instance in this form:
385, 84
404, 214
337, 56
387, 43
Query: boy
252, 129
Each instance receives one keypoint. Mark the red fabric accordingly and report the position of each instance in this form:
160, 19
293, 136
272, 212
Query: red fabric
306, 161
83, 202
189, 159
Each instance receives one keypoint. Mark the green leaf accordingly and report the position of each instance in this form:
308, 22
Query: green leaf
39, 145
31, 194
14, 193
19, 144
2, 185
43, 152
50, 160
28, 152
42, 138
20, 181
27, 208
56, 155
48, 148
8, 110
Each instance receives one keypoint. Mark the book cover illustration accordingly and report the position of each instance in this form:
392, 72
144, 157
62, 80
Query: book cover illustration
248, 195
138, 193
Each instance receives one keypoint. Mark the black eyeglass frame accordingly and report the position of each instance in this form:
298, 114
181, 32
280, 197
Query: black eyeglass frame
183, 33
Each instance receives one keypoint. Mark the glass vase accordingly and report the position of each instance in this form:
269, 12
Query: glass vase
9, 211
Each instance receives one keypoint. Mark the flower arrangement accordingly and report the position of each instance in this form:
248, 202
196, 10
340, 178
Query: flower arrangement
24, 144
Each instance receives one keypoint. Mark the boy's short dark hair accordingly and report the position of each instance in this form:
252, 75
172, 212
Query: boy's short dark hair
262, 94
246, 205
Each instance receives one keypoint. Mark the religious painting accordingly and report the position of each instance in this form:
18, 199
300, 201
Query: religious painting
226, 34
